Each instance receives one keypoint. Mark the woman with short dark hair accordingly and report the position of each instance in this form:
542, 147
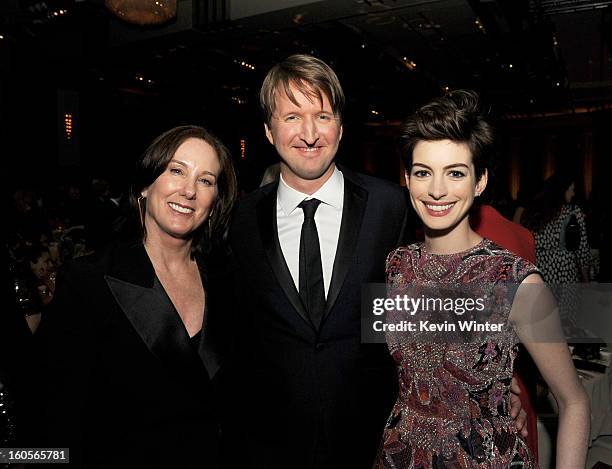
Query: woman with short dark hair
455, 365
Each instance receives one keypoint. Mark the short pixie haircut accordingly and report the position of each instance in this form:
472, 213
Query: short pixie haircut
154, 162
457, 116
311, 76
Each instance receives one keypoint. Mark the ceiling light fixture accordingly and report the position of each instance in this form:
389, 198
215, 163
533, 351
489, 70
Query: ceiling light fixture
244, 64
410, 64
479, 25
143, 12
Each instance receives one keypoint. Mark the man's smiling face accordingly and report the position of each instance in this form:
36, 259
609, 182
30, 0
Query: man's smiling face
306, 136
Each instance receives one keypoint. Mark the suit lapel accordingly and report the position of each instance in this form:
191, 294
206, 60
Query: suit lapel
266, 218
152, 315
208, 351
145, 303
355, 199
209, 354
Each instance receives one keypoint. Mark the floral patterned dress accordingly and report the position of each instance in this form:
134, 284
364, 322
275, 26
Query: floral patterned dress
453, 405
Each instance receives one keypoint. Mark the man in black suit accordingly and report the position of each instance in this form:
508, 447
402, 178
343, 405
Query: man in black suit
308, 393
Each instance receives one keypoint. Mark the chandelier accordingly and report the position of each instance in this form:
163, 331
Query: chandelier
143, 12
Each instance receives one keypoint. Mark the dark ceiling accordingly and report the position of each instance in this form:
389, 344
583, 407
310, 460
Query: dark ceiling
526, 56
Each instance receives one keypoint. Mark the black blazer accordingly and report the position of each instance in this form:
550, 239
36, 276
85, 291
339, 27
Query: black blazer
308, 397
125, 387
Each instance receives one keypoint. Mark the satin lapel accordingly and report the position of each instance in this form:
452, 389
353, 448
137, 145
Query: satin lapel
355, 199
156, 321
266, 218
208, 351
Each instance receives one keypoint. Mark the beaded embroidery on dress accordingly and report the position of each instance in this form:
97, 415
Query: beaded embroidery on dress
453, 405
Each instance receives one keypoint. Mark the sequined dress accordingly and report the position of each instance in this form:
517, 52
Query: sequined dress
453, 405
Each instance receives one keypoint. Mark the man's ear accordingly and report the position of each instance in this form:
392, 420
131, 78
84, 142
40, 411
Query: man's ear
482, 183
341, 131
269, 133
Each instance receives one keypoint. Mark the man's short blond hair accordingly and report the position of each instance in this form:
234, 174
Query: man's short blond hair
311, 76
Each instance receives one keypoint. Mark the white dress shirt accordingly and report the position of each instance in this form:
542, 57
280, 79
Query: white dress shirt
328, 217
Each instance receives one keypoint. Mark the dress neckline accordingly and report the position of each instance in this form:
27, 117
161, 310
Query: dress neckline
477, 246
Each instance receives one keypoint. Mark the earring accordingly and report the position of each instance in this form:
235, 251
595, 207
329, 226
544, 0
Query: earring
141, 210
209, 224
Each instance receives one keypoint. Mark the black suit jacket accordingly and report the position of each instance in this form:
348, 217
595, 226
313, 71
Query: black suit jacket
308, 397
124, 385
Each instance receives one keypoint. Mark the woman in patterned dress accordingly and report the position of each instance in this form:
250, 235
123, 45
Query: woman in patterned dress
562, 249
453, 405
560, 260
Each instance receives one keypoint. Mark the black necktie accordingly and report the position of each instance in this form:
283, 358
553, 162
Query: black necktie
312, 289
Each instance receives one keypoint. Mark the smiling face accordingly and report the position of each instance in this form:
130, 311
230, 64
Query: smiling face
442, 184
306, 136
181, 198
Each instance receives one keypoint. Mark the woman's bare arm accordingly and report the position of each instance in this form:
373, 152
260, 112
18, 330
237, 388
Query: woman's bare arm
535, 317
